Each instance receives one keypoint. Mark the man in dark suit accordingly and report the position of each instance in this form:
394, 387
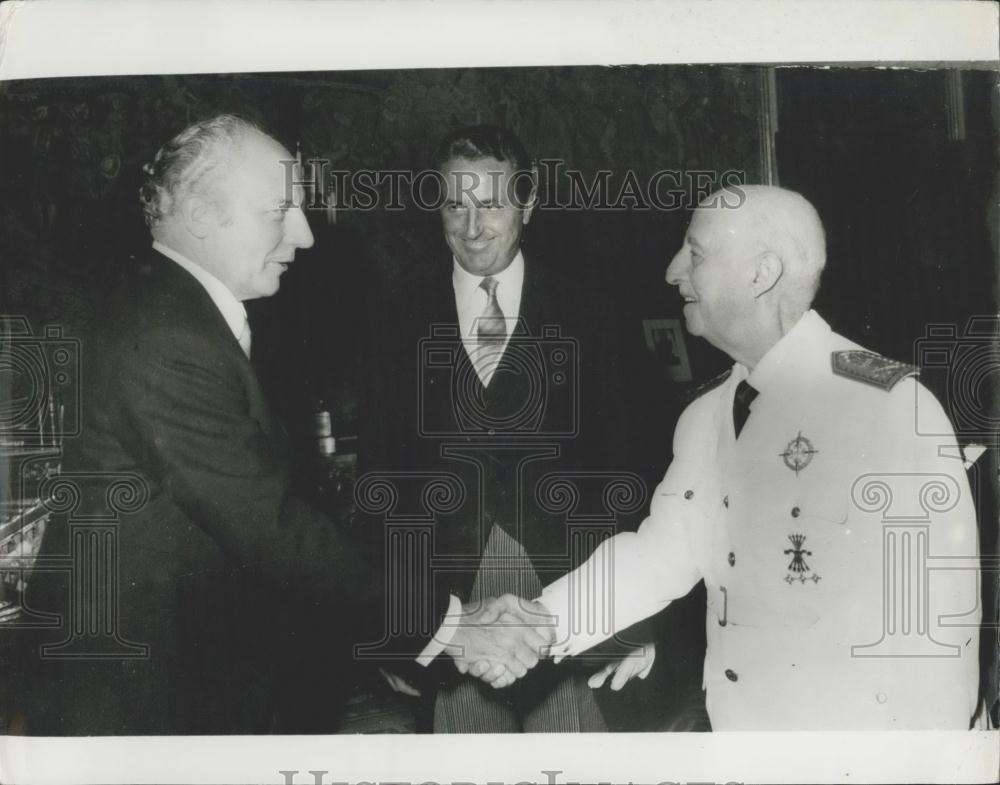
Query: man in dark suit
172, 404
498, 381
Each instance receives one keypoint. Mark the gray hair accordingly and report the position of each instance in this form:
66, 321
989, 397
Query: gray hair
183, 165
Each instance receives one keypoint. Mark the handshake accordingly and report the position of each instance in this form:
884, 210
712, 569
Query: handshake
501, 638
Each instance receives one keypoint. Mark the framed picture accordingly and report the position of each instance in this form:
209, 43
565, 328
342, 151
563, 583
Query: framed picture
665, 339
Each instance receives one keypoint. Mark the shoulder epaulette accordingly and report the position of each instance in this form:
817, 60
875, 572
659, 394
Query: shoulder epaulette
711, 384
871, 368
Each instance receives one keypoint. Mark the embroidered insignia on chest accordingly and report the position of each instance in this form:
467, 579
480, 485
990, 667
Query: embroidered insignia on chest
798, 454
869, 367
797, 567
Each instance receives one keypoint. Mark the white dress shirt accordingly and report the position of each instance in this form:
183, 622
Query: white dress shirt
232, 310
471, 300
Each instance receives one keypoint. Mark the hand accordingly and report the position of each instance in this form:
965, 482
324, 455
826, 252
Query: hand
399, 684
500, 639
638, 662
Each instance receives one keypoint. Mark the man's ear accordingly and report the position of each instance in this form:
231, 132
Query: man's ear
767, 273
529, 206
199, 216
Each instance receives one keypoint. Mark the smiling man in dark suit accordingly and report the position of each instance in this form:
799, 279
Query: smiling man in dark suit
170, 396
513, 385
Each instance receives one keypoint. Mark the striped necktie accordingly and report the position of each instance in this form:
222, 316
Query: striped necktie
491, 326
491, 332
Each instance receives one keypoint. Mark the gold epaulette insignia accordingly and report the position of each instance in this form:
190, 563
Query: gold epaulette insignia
711, 384
872, 368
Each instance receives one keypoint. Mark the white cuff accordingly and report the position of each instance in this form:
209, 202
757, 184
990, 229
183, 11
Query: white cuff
447, 630
556, 601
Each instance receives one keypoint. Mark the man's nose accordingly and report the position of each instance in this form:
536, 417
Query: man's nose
297, 231
677, 267
472, 222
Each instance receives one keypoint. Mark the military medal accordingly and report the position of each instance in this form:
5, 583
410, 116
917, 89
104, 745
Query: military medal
797, 567
798, 454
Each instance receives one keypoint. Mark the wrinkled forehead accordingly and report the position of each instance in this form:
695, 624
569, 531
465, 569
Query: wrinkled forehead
480, 178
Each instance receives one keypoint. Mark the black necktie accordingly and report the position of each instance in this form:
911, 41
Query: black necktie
741, 405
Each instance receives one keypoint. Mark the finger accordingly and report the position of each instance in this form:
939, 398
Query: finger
622, 675
519, 664
512, 603
597, 680
478, 669
497, 671
504, 681
646, 671
492, 610
403, 687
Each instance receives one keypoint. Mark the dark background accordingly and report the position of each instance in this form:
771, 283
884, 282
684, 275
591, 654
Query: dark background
901, 164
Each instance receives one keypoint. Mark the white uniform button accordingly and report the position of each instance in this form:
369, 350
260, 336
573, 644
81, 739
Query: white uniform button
725, 502
881, 697
732, 559
688, 494
731, 675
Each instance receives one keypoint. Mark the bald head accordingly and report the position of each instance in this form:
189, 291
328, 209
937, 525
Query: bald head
788, 225
749, 267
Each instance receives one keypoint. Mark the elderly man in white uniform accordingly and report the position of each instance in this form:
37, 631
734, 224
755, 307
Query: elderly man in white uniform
802, 494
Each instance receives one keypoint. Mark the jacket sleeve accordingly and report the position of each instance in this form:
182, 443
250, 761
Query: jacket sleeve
634, 575
187, 409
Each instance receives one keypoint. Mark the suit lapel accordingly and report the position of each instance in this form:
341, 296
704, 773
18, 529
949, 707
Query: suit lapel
191, 305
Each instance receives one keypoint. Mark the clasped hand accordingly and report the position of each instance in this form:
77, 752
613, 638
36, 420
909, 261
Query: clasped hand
501, 638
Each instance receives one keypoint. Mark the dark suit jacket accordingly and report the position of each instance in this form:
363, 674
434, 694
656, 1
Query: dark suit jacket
208, 562
553, 405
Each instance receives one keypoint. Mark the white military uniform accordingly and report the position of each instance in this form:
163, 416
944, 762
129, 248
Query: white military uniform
824, 528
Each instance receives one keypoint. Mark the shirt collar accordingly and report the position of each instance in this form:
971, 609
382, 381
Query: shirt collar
232, 310
793, 354
508, 280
